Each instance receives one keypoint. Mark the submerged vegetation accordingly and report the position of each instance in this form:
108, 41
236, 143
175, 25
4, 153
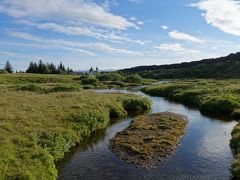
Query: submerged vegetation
43, 116
149, 138
214, 97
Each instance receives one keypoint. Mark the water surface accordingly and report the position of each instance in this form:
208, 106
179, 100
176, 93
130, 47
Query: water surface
204, 151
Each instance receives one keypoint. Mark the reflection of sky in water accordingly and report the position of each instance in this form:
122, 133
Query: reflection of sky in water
204, 151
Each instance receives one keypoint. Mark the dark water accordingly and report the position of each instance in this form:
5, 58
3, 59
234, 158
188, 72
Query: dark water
204, 152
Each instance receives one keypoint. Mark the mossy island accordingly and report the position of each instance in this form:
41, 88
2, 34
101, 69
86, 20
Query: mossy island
149, 138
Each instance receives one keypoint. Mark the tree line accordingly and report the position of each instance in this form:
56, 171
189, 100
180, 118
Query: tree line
48, 68
39, 68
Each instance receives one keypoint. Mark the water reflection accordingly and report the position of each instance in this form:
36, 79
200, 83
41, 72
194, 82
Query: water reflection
204, 152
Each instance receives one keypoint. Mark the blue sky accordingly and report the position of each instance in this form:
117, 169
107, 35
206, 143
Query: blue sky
114, 34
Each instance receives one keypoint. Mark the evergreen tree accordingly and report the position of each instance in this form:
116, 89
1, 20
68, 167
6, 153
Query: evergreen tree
61, 68
8, 67
52, 68
91, 70
30, 68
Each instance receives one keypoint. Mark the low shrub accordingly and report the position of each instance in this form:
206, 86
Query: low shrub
219, 105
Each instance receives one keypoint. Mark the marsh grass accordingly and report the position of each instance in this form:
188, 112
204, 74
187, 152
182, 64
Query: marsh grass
41, 119
149, 138
213, 97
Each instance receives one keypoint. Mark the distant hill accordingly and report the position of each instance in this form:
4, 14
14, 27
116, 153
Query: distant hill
223, 67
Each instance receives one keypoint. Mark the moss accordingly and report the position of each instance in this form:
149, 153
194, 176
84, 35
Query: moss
148, 138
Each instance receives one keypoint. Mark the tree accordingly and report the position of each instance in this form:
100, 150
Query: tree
8, 67
90, 70
61, 68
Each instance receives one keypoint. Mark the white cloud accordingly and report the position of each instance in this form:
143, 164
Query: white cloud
17, 55
175, 48
164, 27
171, 47
136, 1
80, 31
185, 37
81, 11
81, 47
223, 14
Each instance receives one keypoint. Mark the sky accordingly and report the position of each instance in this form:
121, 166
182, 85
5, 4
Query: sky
116, 34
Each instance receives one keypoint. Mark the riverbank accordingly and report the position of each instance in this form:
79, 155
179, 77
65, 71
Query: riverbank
149, 138
212, 97
37, 129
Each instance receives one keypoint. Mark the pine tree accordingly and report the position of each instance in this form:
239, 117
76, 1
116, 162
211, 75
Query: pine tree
30, 68
90, 70
8, 67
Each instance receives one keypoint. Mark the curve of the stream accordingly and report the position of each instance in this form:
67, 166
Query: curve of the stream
204, 151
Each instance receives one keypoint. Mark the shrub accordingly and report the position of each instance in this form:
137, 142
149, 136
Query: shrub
111, 76
134, 79
3, 71
66, 88
219, 105
90, 80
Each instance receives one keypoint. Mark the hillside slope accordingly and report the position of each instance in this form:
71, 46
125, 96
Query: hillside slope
223, 67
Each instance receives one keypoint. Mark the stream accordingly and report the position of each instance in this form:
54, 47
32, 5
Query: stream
204, 151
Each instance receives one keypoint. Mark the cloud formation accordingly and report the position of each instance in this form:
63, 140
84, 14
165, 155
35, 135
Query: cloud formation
223, 14
78, 12
70, 45
83, 31
184, 37
171, 47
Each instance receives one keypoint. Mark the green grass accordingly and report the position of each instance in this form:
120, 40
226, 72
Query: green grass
100, 81
43, 117
149, 138
212, 97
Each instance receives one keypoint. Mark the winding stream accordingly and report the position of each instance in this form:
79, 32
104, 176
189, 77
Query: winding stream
204, 152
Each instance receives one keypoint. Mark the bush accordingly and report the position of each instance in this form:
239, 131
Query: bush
90, 80
219, 105
111, 76
134, 79
3, 71
137, 105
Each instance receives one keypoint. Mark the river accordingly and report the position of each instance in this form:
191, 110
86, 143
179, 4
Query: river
204, 151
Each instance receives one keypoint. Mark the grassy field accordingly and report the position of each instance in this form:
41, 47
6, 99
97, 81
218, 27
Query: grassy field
212, 97
43, 82
43, 116
149, 138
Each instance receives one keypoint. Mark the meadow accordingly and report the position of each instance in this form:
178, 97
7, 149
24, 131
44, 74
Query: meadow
213, 97
43, 116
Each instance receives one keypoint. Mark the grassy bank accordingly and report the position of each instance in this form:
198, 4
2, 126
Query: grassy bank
149, 138
39, 125
212, 97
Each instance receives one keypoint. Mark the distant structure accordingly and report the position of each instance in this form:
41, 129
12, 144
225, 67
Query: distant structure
93, 72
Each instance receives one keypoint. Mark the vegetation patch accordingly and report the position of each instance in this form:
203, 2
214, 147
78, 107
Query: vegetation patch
149, 138
40, 122
213, 97
235, 144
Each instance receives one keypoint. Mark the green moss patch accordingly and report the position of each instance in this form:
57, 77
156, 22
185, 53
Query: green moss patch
149, 138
